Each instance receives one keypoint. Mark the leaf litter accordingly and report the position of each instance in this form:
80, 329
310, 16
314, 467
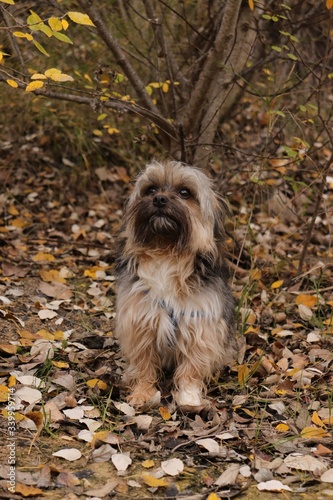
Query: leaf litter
271, 419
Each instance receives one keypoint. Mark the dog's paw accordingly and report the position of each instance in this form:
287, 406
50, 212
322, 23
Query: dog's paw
144, 397
190, 397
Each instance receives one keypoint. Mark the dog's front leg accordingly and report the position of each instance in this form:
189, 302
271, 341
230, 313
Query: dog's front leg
141, 375
189, 383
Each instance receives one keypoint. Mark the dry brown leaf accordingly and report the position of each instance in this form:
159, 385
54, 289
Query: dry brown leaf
27, 491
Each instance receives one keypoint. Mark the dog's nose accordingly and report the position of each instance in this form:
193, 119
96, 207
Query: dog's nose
160, 201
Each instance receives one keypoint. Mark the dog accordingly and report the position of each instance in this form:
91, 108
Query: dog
174, 307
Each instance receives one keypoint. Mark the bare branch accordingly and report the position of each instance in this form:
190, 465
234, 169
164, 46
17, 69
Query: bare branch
120, 56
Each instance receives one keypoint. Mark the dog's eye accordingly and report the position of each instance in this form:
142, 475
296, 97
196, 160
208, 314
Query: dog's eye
151, 190
185, 193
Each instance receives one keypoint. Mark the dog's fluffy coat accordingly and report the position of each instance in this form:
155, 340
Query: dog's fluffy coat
174, 307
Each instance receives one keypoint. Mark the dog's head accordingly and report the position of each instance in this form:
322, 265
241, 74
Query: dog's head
174, 207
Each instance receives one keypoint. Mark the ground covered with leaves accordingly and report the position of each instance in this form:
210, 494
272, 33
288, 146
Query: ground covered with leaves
269, 428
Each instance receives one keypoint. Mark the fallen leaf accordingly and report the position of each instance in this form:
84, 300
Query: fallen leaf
27, 491
314, 433
327, 476
56, 290
147, 464
121, 461
47, 314
153, 481
70, 454
103, 491
172, 467
282, 427
307, 300
164, 412
229, 476
316, 419
304, 462
273, 485
210, 444
305, 312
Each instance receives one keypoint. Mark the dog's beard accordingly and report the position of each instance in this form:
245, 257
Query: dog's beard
156, 227
164, 226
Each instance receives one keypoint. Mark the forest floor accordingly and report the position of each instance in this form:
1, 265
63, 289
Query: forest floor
269, 428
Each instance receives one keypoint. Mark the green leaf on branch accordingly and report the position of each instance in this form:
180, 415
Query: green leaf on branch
34, 19
79, 18
41, 48
62, 37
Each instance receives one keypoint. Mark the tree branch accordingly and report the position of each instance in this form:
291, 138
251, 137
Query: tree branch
93, 100
119, 55
215, 62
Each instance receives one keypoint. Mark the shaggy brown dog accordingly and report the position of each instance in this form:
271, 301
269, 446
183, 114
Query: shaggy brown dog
174, 309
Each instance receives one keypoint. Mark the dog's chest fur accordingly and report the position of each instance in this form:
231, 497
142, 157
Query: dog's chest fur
161, 276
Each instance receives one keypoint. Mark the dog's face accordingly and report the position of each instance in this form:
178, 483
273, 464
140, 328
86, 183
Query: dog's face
173, 206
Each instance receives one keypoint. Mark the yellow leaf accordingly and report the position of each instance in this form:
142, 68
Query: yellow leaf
255, 274
9, 2
314, 432
12, 83
306, 300
38, 76
97, 132
20, 34
64, 24
96, 381
41, 48
79, 18
18, 223
45, 334
9, 348
277, 284
155, 85
57, 76
317, 420
165, 414
213, 496
329, 4
37, 84
147, 464
243, 373
60, 364
251, 4
18, 416
149, 90
282, 427
58, 335
51, 275
11, 381
4, 391
165, 88
43, 257
55, 24
154, 482
112, 131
